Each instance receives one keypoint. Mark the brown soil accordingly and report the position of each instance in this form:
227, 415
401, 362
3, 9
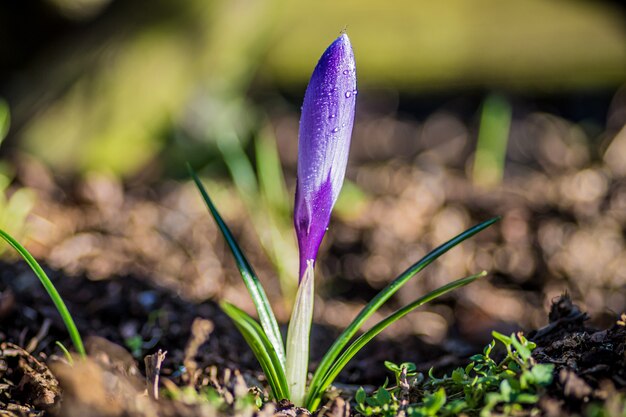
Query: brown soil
111, 312
36, 381
136, 265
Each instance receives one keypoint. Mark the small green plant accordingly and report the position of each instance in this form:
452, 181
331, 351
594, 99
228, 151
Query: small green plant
324, 142
51, 290
484, 385
223, 402
227, 394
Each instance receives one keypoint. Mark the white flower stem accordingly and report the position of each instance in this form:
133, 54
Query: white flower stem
298, 337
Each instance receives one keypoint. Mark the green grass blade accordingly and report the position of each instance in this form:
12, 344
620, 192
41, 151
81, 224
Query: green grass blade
66, 352
51, 290
270, 174
493, 137
240, 167
380, 298
361, 341
262, 349
257, 293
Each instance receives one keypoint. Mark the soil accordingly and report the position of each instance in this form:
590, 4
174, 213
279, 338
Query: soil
141, 266
35, 379
203, 348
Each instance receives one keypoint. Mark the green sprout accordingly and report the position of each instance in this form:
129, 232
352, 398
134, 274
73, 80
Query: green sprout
51, 290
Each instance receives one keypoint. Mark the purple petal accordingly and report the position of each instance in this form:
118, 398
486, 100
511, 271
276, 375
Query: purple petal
324, 142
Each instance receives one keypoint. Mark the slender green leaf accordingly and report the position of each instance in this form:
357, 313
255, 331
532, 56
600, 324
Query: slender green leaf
315, 396
270, 174
493, 136
66, 352
522, 350
239, 166
51, 290
502, 338
344, 338
360, 395
261, 347
257, 293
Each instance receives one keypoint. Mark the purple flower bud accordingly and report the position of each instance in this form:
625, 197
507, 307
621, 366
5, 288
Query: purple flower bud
324, 142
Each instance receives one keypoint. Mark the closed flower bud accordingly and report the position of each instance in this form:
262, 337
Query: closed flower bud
324, 142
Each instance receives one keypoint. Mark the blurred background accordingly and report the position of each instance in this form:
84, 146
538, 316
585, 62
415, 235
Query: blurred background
466, 110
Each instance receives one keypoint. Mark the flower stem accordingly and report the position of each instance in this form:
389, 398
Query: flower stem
298, 337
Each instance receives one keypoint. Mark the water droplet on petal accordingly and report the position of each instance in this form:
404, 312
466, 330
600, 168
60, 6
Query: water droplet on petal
348, 94
332, 116
346, 72
335, 130
354, 92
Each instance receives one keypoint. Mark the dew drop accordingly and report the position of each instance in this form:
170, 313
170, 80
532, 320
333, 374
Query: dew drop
332, 116
346, 72
354, 92
348, 94
335, 130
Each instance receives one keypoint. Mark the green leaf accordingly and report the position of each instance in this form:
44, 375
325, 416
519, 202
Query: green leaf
257, 293
315, 390
383, 396
51, 290
409, 366
360, 395
543, 374
66, 352
505, 390
392, 367
506, 341
262, 348
362, 340
458, 375
434, 403
490, 155
372, 401
526, 398
239, 165
269, 172
522, 350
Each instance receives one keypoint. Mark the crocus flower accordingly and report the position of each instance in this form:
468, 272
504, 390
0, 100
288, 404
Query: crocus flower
324, 141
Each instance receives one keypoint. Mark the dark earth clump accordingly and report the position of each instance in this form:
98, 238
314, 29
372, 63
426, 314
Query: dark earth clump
589, 363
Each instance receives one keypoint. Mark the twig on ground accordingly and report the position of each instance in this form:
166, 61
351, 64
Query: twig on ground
153, 369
